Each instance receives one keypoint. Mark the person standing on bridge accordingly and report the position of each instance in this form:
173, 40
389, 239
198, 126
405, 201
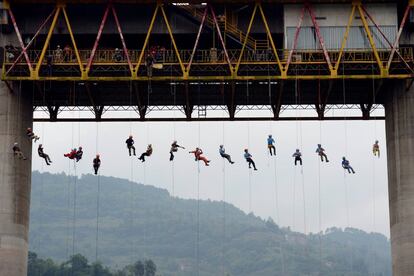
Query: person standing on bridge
96, 163
17, 151
298, 157
376, 149
198, 156
270, 145
130, 145
174, 148
249, 159
148, 153
223, 154
43, 155
346, 165
321, 152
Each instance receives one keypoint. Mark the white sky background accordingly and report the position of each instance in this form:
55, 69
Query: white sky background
367, 190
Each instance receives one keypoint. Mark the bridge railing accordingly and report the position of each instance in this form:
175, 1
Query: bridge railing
210, 56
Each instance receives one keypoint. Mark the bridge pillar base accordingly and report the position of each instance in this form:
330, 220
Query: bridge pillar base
16, 115
399, 114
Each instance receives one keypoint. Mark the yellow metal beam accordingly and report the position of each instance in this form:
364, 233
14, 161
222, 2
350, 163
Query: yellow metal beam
75, 48
345, 38
173, 41
370, 38
211, 78
236, 68
269, 35
35, 73
151, 26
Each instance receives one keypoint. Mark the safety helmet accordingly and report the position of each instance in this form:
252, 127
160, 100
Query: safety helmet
80, 147
15, 144
297, 150
58, 46
319, 145
376, 142
98, 156
343, 158
221, 146
270, 135
246, 150
29, 128
40, 145
130, 136
175, 142
74, 149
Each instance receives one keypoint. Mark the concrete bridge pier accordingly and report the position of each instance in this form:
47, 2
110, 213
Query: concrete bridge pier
16, 114
399, 111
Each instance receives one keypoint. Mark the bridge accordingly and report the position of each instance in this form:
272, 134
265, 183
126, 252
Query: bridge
197, 58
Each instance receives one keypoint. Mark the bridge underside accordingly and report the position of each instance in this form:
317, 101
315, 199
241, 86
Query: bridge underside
195, 98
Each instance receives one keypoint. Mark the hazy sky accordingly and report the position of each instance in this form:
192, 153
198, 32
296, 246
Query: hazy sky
277, 188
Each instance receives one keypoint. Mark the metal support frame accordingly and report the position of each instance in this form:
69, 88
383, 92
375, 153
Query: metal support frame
231, 106
393, 47
277, 101
188, 107
111, 7
53, 112
397, 39
295, 40
142, 108
370, 38
345, 38
322, 99
25, 48
19, 37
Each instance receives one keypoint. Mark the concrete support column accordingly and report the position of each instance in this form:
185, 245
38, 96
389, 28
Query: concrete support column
399, 111
16, 114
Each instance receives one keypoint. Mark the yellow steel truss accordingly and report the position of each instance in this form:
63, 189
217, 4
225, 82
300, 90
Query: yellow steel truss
237, 57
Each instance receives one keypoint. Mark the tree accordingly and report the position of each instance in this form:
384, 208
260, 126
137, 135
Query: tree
139, 269
150, 268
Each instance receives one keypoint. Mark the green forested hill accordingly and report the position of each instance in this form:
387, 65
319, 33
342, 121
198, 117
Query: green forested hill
139, 222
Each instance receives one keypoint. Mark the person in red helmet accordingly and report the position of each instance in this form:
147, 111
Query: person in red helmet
96, 163
71, 155
198, 156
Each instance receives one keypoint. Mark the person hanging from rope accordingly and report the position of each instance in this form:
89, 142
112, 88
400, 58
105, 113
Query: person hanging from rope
17, 151
71, 155
376, 149
43, 155
174, 148
346, 165
31, 135
130, 145
198, 156
223, 154
321, 152
149, 62
79, 154
96, 163
148, 153
249, 159
298, 157
270, 146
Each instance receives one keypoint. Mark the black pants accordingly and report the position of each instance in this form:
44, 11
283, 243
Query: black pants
251, 162
298, 159
171, 156
271, 147
142, 157
129, 149
96, 168
46, 157
225, 155
322, 155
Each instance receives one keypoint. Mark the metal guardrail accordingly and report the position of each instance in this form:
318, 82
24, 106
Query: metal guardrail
209, 56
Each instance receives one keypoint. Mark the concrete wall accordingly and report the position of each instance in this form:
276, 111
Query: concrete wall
15, 178
400, 149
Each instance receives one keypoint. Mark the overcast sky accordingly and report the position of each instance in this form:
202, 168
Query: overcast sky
359, 200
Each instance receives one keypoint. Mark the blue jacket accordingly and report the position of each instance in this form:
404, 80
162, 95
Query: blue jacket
247, 155
222, 150
270, 141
